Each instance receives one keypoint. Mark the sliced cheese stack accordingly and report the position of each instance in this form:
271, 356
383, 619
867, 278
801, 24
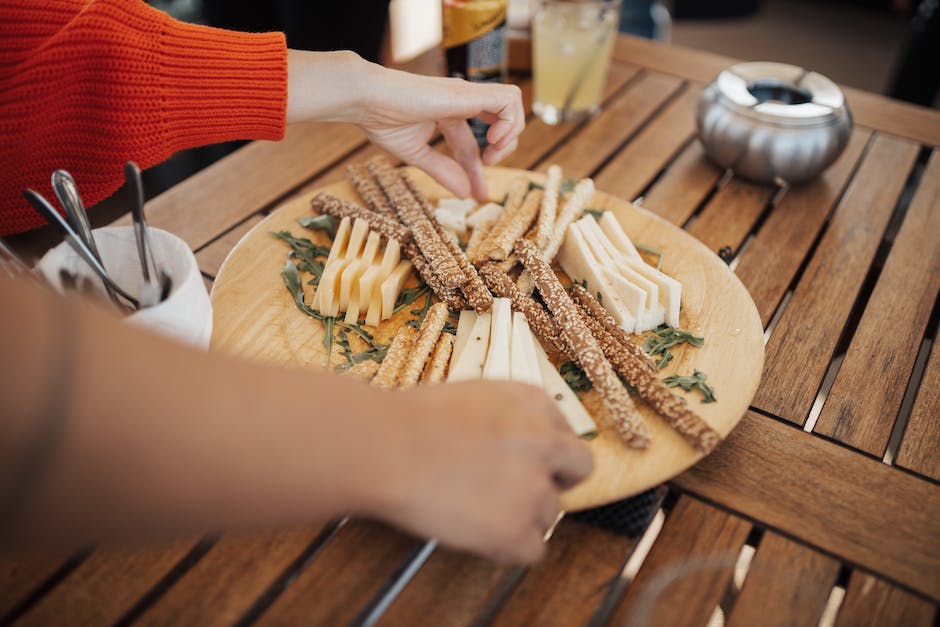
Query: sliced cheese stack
637, 295
361, 278
499, 345
451, 213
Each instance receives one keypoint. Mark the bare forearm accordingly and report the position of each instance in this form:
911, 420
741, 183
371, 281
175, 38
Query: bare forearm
159, 439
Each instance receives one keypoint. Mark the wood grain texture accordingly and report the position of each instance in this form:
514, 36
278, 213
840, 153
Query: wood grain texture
539, 138
865, 398
105, 586
787, 584
920, 448
873, 601
730, 214
773, 257
687, 571
619, 118
827, 496
247, 181
20, 575
633, 167
450, 590
255, 317
806, 336
566, 587
349, 571
868, 109
211, 256
683, 186
228, 579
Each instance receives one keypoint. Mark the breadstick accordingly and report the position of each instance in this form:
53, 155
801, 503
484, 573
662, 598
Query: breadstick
540, 321
430, 331
477, 239
572, 210
455, 301
671, 407
549, 209
476, 293
364, 370
411, 213
589, 304
501, 242
436, 369
517, 193
385, 225
591, 358
387, 376
368, 189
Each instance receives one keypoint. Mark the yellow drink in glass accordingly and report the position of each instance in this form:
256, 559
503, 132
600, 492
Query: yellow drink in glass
571, 46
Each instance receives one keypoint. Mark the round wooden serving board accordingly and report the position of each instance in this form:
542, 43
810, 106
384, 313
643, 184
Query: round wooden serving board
255, 317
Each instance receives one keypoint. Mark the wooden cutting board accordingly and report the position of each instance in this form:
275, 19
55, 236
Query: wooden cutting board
255, 317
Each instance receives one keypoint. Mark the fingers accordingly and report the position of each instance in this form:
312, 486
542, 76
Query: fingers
444, 170
460, 138
571, 462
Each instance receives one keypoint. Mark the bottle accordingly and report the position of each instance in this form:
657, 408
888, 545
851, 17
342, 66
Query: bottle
475, 48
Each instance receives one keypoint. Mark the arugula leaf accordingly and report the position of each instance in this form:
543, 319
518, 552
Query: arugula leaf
575, 378
534, 185
597, 213
449, 327
664, 338
294, 285
696, 381
567, 186
329, 323
306, 253
320, 223
408, 296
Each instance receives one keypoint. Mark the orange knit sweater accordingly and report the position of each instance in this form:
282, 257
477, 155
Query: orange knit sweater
86, 85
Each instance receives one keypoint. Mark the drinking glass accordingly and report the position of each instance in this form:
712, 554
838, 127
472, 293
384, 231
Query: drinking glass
571, 47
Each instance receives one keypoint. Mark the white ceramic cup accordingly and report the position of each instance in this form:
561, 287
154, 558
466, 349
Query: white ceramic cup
186, 314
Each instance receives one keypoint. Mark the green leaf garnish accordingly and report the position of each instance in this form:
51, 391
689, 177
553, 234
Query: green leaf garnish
575, 377
320, 223
696, 381
597, 213
568, 185
665, 337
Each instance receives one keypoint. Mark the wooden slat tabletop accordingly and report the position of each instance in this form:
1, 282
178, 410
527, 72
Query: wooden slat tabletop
820, 508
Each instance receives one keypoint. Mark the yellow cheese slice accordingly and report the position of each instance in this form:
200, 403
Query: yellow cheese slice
392, 286
370, 285
349, 280
328, 289
465, 323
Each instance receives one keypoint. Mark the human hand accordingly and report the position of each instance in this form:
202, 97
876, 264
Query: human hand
480, 466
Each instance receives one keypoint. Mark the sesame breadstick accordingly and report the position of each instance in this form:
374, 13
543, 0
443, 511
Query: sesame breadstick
364, 370
514, 199
500, 244
549, 209
540, 321
476, 293
436, 369
671, 407
410, 212
454, 299
385, 225
368, 189
478, 237
589, 304
572, 210
387, 376
428, 335
591, 357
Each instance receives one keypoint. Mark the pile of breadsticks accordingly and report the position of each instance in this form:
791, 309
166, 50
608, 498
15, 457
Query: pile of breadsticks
509, 256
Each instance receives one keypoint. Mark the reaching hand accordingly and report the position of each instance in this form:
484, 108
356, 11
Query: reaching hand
401, 112
480, 465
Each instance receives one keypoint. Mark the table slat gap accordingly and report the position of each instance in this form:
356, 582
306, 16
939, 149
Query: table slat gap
640, 196
395, 584
686, 186
870, 600
160, 588
23, 589
291, 572
841, 268
904, 280
736, 210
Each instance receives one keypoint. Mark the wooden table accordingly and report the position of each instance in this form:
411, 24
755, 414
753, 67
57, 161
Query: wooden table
824, 502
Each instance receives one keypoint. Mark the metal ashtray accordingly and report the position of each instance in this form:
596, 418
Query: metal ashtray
773, 122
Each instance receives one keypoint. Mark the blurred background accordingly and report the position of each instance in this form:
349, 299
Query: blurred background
884, 46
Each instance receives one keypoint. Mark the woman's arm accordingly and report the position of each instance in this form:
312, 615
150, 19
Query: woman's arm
147, 438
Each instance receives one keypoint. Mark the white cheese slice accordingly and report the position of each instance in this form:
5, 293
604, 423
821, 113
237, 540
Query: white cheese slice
463, 206
634, 299
465, 322
498, 353
328, 289
568, 402
370, 285
349, 280
579, 263
473, 356
655, 312
617, 236
524, 364
392, 286
454, 222
600, 245
670, 290
489, 212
